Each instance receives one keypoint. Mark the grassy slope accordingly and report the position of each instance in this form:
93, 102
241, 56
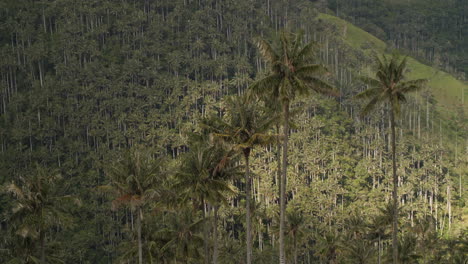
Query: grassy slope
447, 90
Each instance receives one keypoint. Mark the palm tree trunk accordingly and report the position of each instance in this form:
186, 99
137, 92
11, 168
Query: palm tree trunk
284, 168
395, 189
247, 206
140, 248
295, 250
379, 250
278, 158
205, 234
42, 238
215, 236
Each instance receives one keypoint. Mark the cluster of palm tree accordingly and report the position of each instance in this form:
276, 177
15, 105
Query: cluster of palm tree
202, 181
292, 73
37, 209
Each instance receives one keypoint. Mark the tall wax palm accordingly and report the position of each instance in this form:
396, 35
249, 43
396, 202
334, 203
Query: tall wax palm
36, 208
245, 128
203, 179
295, 230
181, 236
358, 251
390, 87
379, 227
135, 178
292, 72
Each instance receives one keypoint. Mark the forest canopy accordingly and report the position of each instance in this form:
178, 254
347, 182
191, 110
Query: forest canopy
222, 131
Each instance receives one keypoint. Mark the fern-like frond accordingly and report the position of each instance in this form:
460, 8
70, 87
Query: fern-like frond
412, 86
321, 86
370, 81
311, 70
266, 50
268, 85
371, 92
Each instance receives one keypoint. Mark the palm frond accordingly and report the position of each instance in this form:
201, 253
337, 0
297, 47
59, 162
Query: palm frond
297, 42
412, 86
264, 86
321, 86
401, 67
300, 85
371, 92
311, 69
15, 190
370, 106
401, 97
308, 50
266, 50
370, 81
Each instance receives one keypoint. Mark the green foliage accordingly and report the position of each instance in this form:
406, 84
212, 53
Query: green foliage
112, 95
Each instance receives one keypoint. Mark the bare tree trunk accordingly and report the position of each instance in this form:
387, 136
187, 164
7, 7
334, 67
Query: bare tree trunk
215, 236
205, 234
278, 159
449, 207
379, 251
140, 248
395, 189
247, 206
283, 179
42, 238
295, 250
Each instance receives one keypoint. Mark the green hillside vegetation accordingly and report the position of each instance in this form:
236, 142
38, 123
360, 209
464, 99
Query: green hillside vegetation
430, 30
449, 92
190, 132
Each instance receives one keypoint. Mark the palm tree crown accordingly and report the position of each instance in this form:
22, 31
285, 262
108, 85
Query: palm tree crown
389, 85
292, 69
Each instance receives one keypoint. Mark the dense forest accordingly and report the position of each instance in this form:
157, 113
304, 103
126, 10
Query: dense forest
230, 131
433, 31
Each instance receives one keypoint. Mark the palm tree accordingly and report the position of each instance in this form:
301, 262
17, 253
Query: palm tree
245, 128
358, 251
291, 73
390, 86
203, 180
295, 230
407, 249
135, 178
36, 209
379, 227
181, 234
327, 246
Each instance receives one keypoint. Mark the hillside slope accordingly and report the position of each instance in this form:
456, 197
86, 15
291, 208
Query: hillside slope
450, 93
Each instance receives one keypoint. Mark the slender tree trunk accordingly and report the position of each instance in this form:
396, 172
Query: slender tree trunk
379, 251
449, 206
283, 179
215, 236
395, 189
295, 250
205, 234
140, 248
247, 206
42, 238
278, 158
